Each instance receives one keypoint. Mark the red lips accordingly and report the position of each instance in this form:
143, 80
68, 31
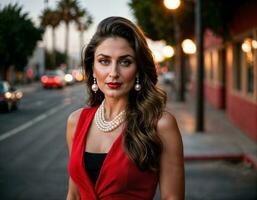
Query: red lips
114, 85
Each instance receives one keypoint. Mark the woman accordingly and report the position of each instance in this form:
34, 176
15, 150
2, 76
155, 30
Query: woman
124, 143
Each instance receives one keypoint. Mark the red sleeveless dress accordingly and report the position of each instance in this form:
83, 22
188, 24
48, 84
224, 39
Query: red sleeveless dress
119, 177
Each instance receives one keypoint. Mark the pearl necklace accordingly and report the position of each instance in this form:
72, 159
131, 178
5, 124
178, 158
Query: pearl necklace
107, 126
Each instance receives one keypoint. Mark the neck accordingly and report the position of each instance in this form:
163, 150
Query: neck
112, 107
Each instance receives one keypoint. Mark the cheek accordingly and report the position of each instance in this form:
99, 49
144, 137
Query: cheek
130, 78
99, 74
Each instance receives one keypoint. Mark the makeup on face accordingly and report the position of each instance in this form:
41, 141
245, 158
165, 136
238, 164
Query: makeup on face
115, 67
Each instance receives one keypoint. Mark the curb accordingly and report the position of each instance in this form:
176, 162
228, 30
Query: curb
241, 157
248, 159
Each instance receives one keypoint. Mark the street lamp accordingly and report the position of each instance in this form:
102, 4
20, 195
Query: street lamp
179, 60
246, 46
200, 68
158, 57
168, 51
254, 44
172, 4
188, 46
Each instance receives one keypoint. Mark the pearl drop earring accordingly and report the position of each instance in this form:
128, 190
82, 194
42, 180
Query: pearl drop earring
137, 86
94, 86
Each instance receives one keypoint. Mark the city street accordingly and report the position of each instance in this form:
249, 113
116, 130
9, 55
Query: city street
204, 54
33, 162
33, 154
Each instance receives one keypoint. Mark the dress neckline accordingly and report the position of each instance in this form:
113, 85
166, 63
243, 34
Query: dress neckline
108, 154
93, 153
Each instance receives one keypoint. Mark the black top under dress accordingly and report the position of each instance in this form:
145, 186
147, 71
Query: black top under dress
93, 163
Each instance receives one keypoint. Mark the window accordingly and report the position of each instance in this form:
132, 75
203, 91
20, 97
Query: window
237, 81
245, 65
221, 66
211, 66
248, 62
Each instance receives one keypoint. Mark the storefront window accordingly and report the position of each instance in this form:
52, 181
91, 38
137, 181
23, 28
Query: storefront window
248, 47
211, 66
237, 81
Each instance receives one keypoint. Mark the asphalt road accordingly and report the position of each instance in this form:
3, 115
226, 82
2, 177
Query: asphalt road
33, 154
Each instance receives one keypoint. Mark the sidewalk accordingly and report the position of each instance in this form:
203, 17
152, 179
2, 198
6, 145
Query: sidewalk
221, 138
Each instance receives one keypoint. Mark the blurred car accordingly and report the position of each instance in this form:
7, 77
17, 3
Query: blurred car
69, 78
9, 96
53, 78
78, 75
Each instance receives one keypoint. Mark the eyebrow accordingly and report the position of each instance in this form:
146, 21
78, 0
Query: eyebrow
121, 57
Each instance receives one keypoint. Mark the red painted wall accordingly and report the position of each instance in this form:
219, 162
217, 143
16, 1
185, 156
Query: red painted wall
215, 95
244, 114
239, 109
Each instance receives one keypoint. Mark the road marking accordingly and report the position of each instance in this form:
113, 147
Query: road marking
31, 123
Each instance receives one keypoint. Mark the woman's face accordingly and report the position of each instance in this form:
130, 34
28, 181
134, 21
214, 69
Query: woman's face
115, 67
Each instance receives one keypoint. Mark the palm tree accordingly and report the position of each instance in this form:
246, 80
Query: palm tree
68, 10
51, 18
83, 20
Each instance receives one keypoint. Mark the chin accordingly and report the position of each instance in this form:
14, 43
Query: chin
115, 94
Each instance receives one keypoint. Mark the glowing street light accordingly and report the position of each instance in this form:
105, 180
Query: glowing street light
188, 46
254, 44
158, 57
168, 51
172, 4
246, 46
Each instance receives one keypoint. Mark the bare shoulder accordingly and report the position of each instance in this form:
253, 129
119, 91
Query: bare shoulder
167, 123
74, 117
172, 158
168, 131
72, 122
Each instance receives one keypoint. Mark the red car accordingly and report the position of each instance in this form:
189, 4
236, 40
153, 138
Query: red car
53, 78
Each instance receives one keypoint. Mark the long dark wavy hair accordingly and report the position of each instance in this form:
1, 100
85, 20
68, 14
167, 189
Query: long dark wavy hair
141, 141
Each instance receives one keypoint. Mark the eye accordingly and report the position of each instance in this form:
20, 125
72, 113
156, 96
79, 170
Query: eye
125, 62
104, 61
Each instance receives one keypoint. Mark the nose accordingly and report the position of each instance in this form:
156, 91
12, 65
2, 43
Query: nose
114, 73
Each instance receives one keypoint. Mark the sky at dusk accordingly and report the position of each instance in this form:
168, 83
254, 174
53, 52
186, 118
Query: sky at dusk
99, 9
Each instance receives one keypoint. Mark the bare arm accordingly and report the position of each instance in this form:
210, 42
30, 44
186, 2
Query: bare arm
73, 193
172, 177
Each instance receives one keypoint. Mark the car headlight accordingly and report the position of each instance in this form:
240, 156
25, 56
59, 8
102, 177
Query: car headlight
19, 95
79, 77
8, 95
68, 78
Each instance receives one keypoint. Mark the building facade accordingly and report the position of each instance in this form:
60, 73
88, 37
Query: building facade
231, 70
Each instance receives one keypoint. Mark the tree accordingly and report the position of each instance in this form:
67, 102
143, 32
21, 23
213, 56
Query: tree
217, 15
169, 26
60, 58
18, 38
51, 18
174, 26
83, 21
161, 24
68, 10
